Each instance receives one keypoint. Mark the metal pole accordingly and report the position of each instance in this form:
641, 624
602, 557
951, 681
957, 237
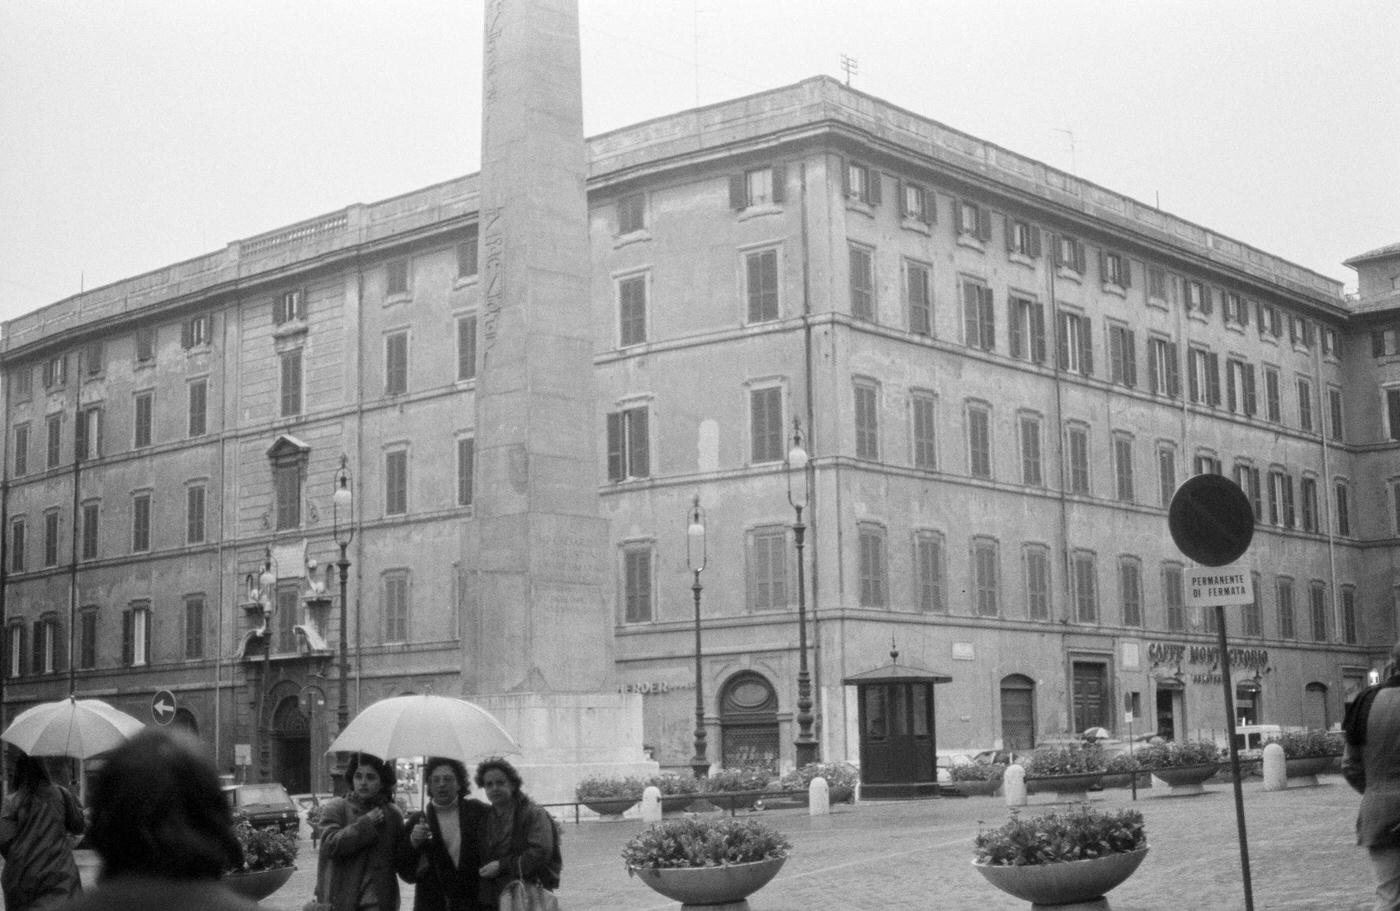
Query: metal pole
699, 764
342, 709
806, 745
1234, 757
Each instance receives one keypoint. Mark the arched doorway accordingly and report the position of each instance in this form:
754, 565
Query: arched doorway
184, 720
291, 746
1017, 712
748, 723
1315, 706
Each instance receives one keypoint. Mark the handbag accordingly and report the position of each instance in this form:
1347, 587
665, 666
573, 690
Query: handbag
519, 895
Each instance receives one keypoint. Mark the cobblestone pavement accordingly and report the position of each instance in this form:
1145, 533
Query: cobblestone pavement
917, 855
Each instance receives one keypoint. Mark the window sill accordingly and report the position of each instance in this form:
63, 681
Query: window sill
1301, 349
146, 364
972, 243
631, 237
759, 211
399, 297
1024, 259
855, 204
464, 281
289, 329
1115, 289
910, 223
1158, 303
1234, 327
1198, 316
1068, 274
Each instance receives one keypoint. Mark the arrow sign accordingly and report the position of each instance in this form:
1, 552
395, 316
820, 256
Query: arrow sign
163, 706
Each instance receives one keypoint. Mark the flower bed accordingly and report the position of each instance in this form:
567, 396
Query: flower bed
1173, 753
1058, 837
704, 843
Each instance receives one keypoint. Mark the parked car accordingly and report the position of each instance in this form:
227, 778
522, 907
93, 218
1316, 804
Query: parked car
1006, 757
265, 804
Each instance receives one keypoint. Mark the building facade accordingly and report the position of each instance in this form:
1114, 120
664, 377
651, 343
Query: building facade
1001, 372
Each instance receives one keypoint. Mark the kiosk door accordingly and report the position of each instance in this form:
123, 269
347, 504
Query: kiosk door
898, 744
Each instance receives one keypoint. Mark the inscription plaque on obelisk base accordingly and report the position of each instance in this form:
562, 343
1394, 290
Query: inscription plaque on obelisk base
538, 639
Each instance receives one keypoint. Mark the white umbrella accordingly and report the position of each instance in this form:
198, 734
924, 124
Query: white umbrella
74, 727
425, 725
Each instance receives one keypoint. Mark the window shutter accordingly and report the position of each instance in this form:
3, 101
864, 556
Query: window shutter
1062, 339
1013, 326
1038, 333
1086, 348
970, 323
1129, 358
984, 223
987, 317
1127, 276
1034, 233
1193, 382
1008, 230
1173, 371
80, 435
845, 176
637, 444
1244, 312
874, 178
957, 218
1207, 299
36, 661
1079, 256
23, 633
1251, 398
60, 653
1213, 377
930, 207
1392, 402
126, 637
1377, 344
738, 191
186, 338
779, 183
1103, 266
901, 204
615, 441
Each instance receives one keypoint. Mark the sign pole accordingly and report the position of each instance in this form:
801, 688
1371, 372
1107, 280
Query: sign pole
1234, 757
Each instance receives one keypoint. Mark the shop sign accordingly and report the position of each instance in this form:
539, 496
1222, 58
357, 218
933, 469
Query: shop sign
1180, 653
654, 687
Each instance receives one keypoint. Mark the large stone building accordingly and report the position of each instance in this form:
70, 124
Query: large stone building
1001, 371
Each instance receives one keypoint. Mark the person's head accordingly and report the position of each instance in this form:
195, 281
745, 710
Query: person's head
498, 779
29, 773
446, 779
370, 777
157, 809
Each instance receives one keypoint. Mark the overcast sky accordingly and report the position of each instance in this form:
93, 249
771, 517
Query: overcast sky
136, 133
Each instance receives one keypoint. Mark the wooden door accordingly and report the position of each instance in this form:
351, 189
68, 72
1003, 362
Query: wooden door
1017, 713
1090, 682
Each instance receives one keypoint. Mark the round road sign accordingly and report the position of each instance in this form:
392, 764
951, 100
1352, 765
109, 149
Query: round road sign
163, 706
1211, 520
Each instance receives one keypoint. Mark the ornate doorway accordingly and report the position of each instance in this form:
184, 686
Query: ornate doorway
291, 746
1017, 712
748, 723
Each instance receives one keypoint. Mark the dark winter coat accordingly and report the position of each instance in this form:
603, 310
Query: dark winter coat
356, 853
34, 829
440, 886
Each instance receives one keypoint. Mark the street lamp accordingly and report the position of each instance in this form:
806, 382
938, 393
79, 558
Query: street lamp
267, 595
696, 557
797, 489
343, 528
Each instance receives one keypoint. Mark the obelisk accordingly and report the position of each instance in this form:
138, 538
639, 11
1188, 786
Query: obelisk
539, 562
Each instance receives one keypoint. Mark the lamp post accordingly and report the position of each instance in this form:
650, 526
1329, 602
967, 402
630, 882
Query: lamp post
343, 528
696, 557
797, 488
267, 585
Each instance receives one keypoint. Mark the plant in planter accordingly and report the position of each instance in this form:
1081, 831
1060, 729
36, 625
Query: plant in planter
608, 796
1065, 769
734, 789
977, 778
841, 779
1062, 857
269, 858
677, 791
1183, 765
1307, 753
706, 861
1119, 770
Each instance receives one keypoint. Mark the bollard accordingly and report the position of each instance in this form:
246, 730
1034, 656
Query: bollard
651, 804
818, 797
1013, 785
1275, 768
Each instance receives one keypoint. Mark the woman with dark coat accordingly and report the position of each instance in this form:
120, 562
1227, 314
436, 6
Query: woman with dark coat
360, 835
35, 824
441, 854
518, 838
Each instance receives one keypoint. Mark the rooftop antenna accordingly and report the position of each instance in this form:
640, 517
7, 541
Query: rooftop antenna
851, 65
1073, 168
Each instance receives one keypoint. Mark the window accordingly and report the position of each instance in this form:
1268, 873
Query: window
1123, 467
92, 359
1069, 255
55, 440
919, 203
929, 571
1166, 472
1233, 310
56, 371
1348, 615
90, 526
971, 221
1032, 466
1207, 463
194, 627
979, 441
289, 307
1162, 366
47, 644
919, 298
1086, 587
22, 379
396, 363
1385, 342
89, 428
396, 482
1240, 395
87, 638
141, 435
466, 347
51, 538
286, 480
21, 460
862, 183
979, 322
1251, 617
1114, 269
284, 613
1305, 412
867, 422
1173, 596
1122, 355
1247, 477
194, 514
1037, 582
1270, 322
141, 523
1203, 376
1317, 602
396, 606
766, 424
1130, 590
1284, 589
1022, 238
873, 586
1197, 298
468, 253
628, 445
1334, 412
636, 588
761, 285
922, 414
986, 577
632, 310
1343, 498
1273, 403
199, 408
632, 213
17, 541
768, 569
291, 382
396, 278
1307, 494
14, 649
1076, 351
1300, 332
1157, 285
1280, 499
197, 331
1077, 436
136, 622
1026, 324
466, 471
759, 187
862, 283
145, 345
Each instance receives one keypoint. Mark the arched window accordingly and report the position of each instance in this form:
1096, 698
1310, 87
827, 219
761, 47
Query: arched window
748, 722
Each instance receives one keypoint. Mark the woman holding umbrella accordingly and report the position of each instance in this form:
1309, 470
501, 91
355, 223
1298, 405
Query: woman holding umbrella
34, 828
360, 834
441, 854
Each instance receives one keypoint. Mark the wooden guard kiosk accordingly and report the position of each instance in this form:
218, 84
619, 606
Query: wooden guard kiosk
898, 752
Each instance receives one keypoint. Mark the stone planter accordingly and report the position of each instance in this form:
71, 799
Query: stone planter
711, 887
972, 788
675, 803
732, 800
1186, 779
1063, 784
1302, 773
258, 884
611, 806
1081, 883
